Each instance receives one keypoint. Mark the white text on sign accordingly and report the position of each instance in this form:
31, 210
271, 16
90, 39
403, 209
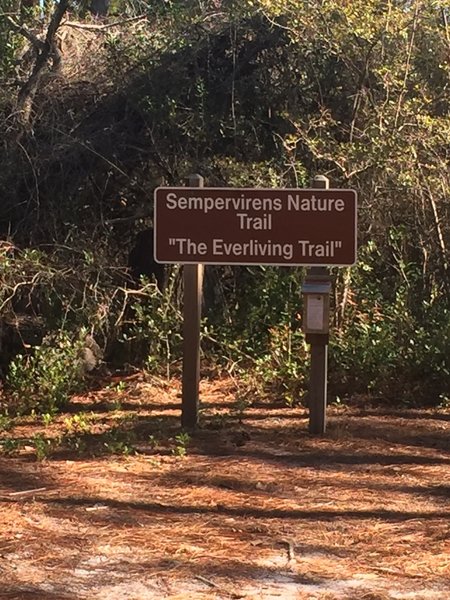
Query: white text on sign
254, 248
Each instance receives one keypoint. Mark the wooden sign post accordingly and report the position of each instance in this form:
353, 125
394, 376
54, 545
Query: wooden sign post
317, 278
192, 308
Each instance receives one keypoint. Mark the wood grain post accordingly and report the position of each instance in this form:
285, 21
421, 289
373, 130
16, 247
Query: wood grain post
192, 307
319, 354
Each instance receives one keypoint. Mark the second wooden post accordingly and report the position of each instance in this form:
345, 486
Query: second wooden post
318, 280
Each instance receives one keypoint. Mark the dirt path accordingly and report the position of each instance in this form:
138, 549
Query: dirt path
256, 508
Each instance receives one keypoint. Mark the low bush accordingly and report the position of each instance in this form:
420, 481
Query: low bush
43, 380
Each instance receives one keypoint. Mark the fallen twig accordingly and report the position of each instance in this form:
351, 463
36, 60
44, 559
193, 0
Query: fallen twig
26, 492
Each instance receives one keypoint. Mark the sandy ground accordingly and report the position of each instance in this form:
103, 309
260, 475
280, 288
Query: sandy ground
251, 506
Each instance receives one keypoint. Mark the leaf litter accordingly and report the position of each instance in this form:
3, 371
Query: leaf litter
255, 508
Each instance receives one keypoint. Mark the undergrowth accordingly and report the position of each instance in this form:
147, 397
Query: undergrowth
45, 379
256, 97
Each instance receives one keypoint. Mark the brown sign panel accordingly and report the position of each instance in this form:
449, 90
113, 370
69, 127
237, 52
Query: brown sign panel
255, 226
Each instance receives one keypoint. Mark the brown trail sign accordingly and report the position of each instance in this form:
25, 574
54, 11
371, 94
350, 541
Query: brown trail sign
298, 227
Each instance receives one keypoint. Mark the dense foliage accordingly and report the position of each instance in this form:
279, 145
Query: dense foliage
257, 92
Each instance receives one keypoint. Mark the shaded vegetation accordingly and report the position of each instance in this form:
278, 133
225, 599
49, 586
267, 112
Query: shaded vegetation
260, 93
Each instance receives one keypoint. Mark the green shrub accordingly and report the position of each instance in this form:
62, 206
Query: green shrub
392, 344
44, 380
153, 335
283, 369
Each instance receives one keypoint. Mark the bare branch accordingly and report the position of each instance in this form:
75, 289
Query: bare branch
46, 53
446, 26
35, 41
92, 27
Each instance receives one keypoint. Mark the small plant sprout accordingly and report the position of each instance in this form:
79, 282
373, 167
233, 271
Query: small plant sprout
42, 446
181, 443
47, 418
6, 422
79, 423
10, 446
